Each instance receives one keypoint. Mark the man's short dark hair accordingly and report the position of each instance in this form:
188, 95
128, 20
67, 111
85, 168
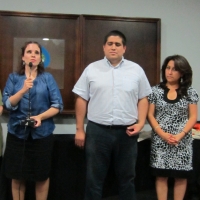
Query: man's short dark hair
116, 33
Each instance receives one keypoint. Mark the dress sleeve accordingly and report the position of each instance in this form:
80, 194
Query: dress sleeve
152, 96
193, 97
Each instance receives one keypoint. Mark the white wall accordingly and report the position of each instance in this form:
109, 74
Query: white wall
180, 28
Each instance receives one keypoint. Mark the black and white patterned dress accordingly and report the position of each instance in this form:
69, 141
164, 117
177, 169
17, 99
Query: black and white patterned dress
172, 115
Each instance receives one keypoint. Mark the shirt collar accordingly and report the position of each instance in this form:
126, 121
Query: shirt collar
108, 62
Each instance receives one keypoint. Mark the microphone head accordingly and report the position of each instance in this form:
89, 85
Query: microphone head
30, 64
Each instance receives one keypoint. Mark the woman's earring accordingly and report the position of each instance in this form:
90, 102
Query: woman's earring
23, 63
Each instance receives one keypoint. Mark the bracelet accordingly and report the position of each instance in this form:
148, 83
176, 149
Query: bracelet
184, 132
156, 127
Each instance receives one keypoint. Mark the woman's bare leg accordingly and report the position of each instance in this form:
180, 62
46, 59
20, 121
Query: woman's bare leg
162, 188
18, 189
42, 189
179, 188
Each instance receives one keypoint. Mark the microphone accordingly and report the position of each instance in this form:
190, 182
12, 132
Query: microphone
30, 65
28, 121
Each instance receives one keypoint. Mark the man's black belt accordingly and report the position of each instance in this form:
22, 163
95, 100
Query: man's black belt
112, 126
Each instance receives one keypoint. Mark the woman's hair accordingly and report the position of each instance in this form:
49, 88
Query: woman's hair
40, 67
183, 66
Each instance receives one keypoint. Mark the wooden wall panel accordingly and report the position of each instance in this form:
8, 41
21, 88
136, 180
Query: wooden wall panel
39, 26
83, 35
143, 41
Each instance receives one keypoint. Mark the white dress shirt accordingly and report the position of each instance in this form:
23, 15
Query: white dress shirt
112, 92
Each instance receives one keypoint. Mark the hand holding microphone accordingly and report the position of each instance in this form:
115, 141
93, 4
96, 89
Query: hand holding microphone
28, 83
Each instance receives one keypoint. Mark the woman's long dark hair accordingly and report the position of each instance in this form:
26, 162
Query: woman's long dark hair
183, 66
40, 67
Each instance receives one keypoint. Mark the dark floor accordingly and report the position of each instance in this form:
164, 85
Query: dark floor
144, 195
151, 195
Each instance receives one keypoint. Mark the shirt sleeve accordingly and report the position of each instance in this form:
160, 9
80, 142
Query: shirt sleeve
1, 103
8, 92
144, 87
81, 87
54, 92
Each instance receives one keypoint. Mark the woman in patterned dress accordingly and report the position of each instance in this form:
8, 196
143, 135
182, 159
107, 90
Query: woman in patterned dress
172, 114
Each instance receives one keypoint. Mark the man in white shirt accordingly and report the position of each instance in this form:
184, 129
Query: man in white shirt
113, 91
